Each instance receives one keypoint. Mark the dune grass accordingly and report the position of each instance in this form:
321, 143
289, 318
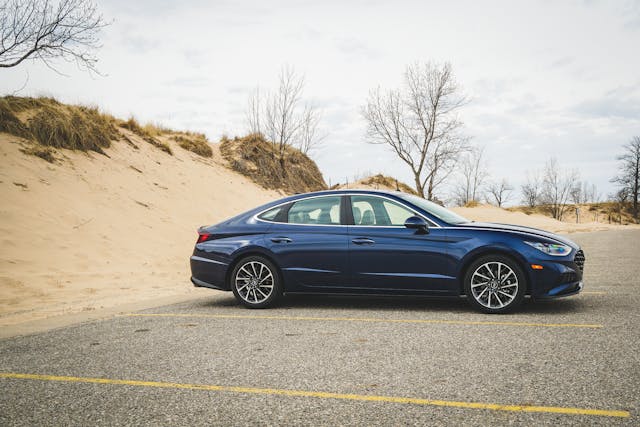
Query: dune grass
57, 125
257, 158
195, 142
45, 153
147, 132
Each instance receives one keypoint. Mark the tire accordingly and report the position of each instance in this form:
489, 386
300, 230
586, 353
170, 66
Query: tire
495, 284
256, 282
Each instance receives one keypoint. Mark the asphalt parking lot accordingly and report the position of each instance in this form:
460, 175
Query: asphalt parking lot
330, 360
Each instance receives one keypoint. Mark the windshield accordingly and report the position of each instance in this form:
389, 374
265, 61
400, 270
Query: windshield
434, 209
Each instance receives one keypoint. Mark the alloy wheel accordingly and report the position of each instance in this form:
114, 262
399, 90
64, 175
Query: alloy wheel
494, 285
254, 282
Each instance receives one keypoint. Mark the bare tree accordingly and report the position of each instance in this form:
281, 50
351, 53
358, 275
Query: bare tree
420, 123
499, 192
309, 138
531, 189
473, 172
584, 193
282, 117
254, 112
44, 30
557, 186
629, 176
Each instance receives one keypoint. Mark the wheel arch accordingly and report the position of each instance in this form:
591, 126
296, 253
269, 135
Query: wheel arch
247, 252
501, 250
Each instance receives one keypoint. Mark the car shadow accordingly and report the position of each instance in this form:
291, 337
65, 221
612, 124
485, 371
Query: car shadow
421, 304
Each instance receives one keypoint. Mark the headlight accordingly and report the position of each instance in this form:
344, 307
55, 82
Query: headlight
555, 249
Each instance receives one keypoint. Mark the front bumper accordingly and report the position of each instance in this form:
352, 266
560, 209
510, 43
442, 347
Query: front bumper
559, 277
564, 290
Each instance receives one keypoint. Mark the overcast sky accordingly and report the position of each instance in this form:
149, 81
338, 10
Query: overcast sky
544, 78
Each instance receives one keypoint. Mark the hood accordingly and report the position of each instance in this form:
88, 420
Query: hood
522, 229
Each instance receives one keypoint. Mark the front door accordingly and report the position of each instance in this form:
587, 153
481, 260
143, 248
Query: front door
386, 256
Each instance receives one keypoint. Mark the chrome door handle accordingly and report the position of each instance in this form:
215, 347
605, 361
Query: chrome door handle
363, 241
281, 239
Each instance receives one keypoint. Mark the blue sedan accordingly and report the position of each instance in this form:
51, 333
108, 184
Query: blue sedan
382, 243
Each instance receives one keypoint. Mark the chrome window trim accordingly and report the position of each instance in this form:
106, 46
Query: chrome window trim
255, 217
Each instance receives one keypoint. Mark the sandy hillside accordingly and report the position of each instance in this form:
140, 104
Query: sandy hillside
91, 232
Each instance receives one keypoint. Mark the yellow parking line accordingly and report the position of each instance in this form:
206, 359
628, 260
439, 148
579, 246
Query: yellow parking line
325, 395
366, 319
594, 292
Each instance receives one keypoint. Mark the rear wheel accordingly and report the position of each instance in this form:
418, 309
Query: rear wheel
255, 282
495, 284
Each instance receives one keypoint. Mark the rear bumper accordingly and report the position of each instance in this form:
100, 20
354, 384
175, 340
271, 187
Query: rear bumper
208, 272
200, 284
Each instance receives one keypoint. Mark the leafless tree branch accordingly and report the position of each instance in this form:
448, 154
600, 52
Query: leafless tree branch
419, 123
45, 30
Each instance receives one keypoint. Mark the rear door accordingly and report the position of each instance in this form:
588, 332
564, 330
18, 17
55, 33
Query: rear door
386, 256
310, 242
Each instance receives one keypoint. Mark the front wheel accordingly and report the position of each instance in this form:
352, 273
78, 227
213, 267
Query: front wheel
495, 284
256, 283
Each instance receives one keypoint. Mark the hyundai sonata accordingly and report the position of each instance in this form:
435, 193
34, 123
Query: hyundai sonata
383, 243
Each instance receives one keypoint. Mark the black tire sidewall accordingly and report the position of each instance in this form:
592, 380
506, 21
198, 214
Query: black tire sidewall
522, 283
277, 282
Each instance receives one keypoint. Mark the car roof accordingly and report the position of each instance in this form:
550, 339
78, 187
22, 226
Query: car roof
344, 191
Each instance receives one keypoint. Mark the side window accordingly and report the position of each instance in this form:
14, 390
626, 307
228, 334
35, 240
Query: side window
271, 214
397, 214
318, 210
377, 211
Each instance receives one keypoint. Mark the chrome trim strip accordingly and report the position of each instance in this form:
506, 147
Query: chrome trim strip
310, 270
255, 217
199, 258
417, 275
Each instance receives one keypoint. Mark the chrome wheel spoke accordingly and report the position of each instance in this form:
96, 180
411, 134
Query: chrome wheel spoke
475, 285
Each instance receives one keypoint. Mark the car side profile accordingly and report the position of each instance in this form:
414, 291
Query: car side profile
381, 243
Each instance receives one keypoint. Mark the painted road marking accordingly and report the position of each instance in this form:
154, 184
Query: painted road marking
366, 319
326, 395
594, 292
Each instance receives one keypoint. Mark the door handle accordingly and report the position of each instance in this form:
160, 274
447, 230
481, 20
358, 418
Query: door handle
281, 239
363, 241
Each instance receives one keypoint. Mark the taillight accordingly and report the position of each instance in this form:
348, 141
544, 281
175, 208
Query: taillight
203, 237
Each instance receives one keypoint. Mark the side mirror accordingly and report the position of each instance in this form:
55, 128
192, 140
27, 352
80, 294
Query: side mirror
417, 223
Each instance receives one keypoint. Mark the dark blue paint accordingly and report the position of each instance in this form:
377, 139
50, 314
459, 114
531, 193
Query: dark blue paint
378, 260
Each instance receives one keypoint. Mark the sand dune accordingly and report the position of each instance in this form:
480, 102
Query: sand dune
93, 232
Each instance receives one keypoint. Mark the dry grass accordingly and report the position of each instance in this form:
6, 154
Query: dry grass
384, 181
45, 153
10, 123
58, 125
148, 132
257, 158
194, 142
